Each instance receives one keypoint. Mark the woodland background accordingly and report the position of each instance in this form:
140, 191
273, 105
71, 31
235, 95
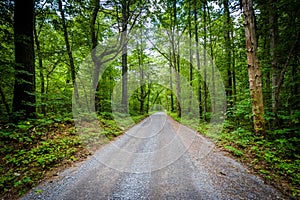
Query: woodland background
254, 45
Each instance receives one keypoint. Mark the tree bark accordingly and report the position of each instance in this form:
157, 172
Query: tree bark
254, 73
213, 88
273, 21
197, 59
228, 53
143, 93
191, 55
178, 88
171, 86
175, 56
94, 37
41, 70
148, 99
69, 50
205, 60
4, 101
125, 15
24, 102
233, 71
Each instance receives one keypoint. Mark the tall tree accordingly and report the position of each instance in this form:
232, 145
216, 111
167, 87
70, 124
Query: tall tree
205, 59
274, 37
254, 73
171, 85
197, 57
176, 56
125, 17
190, 52
24, 89
141, 67
213, 87
40, 66
69, 50
228, 50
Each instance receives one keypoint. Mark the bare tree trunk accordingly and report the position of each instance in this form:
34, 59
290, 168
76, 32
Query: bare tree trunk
197, 59
24, 102
253, 68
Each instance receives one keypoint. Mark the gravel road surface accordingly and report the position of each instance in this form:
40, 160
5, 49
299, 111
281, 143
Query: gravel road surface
156, 159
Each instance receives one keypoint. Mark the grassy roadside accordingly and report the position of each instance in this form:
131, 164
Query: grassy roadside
276, 161
34, 150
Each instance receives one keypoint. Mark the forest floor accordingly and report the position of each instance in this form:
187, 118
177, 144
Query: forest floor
157, 159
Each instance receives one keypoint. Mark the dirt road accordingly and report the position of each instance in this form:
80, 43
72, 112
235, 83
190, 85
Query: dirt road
157, 159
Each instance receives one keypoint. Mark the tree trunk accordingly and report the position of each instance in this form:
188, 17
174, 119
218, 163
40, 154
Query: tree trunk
213, 88
69, 50
178, 89
125, 15
41, 70
197, 59
143, 94
254, 73
175, 58
94, 37
273, 21
4, 101
171, 87
24, 101
228, 53
167, 100
205, 60
191, 56
233, 69
148, 99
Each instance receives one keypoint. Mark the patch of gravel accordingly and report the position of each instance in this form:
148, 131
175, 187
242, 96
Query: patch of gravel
157, 159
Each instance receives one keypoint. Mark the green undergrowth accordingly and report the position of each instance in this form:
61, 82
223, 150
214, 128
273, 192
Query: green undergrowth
31, 149
277, 159
275, 156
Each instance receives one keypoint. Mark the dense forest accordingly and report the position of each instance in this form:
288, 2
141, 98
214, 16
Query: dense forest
229, 69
